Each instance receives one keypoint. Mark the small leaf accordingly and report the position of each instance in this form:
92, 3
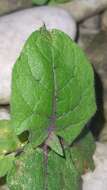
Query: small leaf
32, 172
6, 163
53, 2
8, 140
39, 2
52, 88
54, 143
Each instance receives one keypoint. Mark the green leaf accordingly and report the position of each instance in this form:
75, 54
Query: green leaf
6, 163
43, 2
52, 87
54, 143
52, 2
8, 140
82, 152
31, 171
39, 2
62, 173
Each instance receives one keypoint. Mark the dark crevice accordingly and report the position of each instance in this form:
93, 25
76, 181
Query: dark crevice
2, 181
98, 121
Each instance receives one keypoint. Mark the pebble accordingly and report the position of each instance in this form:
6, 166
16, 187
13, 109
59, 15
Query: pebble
98, 178
4, 113
104, 21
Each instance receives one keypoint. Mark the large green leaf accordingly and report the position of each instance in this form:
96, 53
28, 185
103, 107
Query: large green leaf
52, 87
32, 172
8, 140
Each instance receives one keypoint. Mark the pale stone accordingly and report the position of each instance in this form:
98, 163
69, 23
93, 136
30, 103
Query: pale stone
97, 180
15, 29
4, 113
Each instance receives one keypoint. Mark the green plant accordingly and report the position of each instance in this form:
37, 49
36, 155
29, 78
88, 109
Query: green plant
43, 2
45, 145
39, 2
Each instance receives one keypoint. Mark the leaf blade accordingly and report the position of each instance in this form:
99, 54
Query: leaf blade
29, 172
51, 82
54, 143
9, 142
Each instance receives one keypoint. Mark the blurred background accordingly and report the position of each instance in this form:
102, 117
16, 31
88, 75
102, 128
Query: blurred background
85, 21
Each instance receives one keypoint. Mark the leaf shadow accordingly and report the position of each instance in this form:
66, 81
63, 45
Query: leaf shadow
23, 137
2, 181
97, 122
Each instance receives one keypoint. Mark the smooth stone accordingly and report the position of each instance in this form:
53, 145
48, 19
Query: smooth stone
97, 180
15, 29
7, 6
4, 113
82, 9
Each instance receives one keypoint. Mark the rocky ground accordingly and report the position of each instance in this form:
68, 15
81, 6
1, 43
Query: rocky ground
86, 22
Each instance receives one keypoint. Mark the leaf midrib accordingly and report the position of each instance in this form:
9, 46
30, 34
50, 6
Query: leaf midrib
52, 126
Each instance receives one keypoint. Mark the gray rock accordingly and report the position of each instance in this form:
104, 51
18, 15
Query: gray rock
7, 6
104, 20
4, 187
82, 9
15, 29
88, 29
85, 37
91, 25
97, 53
